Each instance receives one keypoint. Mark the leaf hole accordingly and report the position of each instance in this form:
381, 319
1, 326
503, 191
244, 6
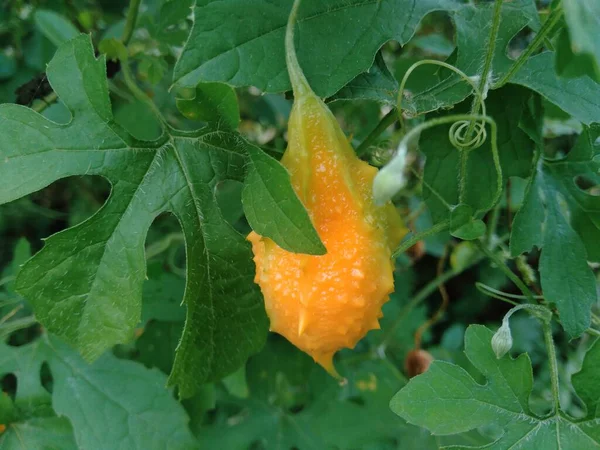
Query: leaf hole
46, 379
520, 42
9, 385
587, 185
25, 335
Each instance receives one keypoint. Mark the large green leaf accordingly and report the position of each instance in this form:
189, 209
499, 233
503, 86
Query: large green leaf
86, 283
110, 404
447, 400
120, 403
563, 220
241, 41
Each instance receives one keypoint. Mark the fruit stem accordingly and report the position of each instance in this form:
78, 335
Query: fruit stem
300, 84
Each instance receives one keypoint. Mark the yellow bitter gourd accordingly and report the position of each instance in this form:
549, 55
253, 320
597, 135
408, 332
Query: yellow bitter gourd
324, 303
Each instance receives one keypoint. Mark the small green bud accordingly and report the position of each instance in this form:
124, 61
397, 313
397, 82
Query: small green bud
502, 340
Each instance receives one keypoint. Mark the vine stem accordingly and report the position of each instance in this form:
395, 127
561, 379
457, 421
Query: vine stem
540, 37
504, 268
46, 102
489, 57
553, 364
132, 14
386, 121
435, 229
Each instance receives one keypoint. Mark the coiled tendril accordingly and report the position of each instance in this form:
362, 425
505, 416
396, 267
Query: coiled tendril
461, 132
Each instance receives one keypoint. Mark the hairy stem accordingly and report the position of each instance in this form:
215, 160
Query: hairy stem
487, 65
553, 364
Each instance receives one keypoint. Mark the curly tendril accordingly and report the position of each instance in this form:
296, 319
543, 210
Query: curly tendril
460, 132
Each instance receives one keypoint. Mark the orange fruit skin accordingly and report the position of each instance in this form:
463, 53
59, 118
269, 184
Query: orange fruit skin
324, 303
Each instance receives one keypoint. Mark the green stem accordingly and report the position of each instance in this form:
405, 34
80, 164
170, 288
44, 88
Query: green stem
437, 228
132, 14
487, 66
491, 229
462, 191
46, 101
540, 37
383, 125
553, 364
504, 268
299, 82
593, 332
487, 289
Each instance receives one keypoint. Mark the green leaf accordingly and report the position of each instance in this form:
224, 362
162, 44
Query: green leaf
86, 283
39, 433
32, 423
563, 220
573, 65
269, 203
376, 84
210, 102
463, 225
447, 400
583, 21
110, 404
114, 49
579, 97
122, 403
336, 40
585, 381
54, 26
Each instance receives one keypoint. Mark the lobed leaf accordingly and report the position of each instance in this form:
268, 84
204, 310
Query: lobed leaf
447, 400
86, 283
563, 220
240, 42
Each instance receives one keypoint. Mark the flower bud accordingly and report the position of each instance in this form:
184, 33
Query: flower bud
502, 340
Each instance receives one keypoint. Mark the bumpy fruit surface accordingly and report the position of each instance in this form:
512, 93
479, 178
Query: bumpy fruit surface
324, 303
